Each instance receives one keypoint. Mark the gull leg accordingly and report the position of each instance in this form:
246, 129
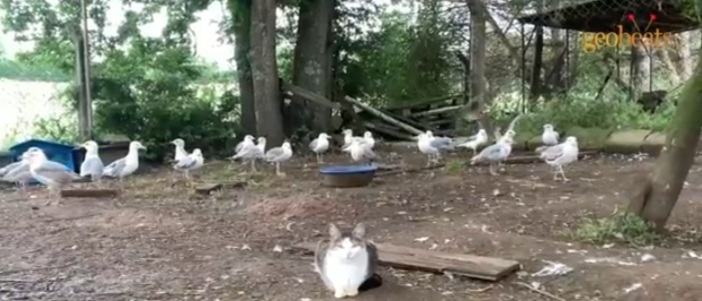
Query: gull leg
555, 174
321, 158
563, 174
428, 160
277, 168
492, 169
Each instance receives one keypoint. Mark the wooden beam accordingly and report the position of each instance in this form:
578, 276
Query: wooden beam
89, 193
528, 159
479, 267
387, 131
309, 95
421, 103
383, 116
437, 111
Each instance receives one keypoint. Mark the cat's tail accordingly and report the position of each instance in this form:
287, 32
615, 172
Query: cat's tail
371, 283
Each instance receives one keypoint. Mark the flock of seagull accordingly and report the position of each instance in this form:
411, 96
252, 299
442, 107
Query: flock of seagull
34, 164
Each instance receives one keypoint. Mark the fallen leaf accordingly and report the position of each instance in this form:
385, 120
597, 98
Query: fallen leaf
278, 249
422, 239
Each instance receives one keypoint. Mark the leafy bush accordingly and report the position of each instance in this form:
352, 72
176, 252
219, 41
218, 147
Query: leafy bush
148, 92
620, 227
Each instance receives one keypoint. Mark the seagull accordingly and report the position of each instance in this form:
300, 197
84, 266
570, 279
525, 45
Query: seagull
432, 146
190, 162
52, 174
561, 154
360, 149
180, 151
252, 152
476, 141
248, 141
279, 154
348, 137
126, 165
549, 136
497, 152
92, 165
368, 137
18, 172
319, 146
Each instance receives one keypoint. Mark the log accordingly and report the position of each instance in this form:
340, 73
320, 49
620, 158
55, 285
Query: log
89, 193
421, 103
411, 170
479, 267
309, 95
437, 111
383, 116
387, 131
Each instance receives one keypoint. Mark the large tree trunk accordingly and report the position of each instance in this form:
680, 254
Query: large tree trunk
264, 70
656, 198
312, 63
84, 110
535, 90
478, 45
241, 12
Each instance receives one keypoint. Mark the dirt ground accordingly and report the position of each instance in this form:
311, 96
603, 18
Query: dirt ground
161, 241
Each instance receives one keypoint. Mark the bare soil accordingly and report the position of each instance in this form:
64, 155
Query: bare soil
159, 240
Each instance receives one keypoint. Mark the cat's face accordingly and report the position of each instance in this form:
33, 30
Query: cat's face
347, 245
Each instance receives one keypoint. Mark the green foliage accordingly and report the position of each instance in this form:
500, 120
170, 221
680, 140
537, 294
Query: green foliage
620, 227
149, 92
455, 166
403, 60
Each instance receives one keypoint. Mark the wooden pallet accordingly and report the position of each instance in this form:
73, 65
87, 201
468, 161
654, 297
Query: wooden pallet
89, 193
479, 267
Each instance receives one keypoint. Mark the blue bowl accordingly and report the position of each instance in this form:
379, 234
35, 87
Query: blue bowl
347, 175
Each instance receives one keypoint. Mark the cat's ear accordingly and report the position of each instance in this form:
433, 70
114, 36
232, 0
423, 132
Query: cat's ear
359, 231
334, 232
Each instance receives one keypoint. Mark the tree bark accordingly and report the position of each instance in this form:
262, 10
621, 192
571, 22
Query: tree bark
81, 85
264, 71
478, 45
654, 201
313, 61
535, 90
241, 12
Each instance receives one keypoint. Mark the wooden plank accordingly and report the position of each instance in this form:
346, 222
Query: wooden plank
480, 267
383, 116
88, 193
437, 111
309, 95
420, 103
387, 131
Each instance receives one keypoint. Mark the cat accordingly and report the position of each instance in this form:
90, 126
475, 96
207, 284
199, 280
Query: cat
347, 262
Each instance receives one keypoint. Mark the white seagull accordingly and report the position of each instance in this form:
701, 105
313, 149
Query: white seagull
18, 172
248, 141
368, 137
126, 165
348, 137
92, 164
433, 146
360, 149
279, 154
476, 141
252, 152
190, 162
52, 174
180, 151
561, 154
495, 153
549, 136
319, 146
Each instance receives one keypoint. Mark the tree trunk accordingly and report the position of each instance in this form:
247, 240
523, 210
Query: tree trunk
478, 44
264, 71
535, 90
312, 63
241, 12
83, 110
655, 200
640, 71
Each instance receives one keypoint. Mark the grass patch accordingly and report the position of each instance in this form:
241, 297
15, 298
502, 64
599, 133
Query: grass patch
454, 166
621, 227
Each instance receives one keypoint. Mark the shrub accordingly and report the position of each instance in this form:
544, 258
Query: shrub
620, 227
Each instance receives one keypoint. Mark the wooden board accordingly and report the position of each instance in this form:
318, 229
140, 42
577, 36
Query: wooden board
480, 267
528, 159
89, 193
